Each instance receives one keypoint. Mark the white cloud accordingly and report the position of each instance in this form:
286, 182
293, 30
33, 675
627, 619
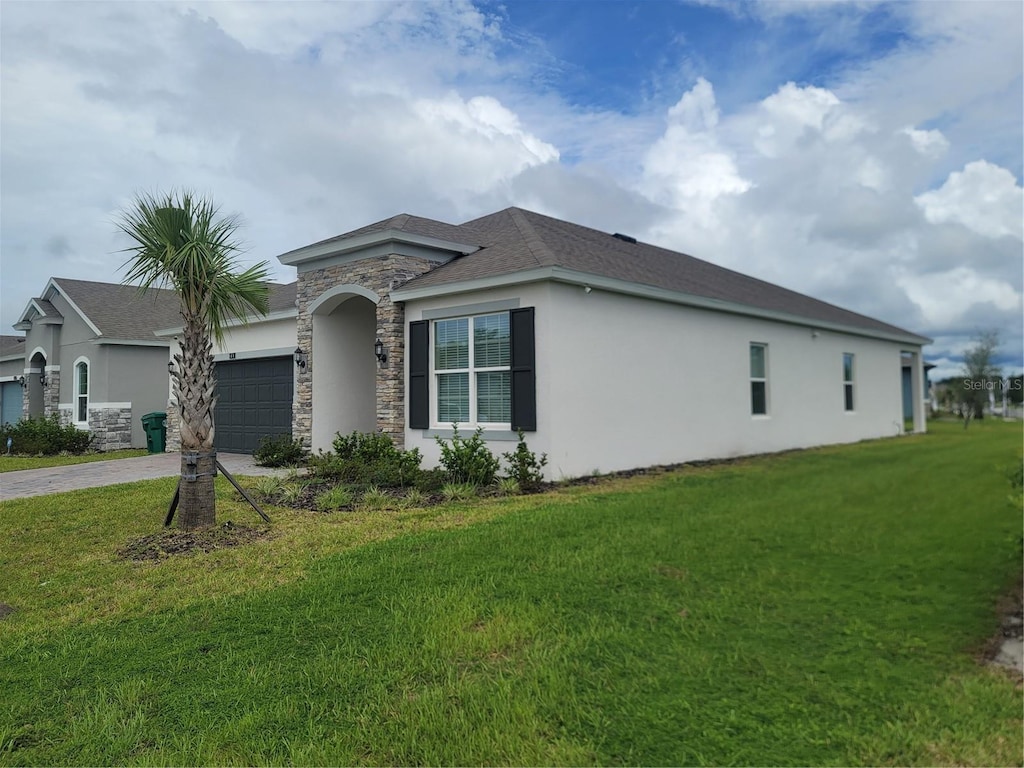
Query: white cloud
983, 197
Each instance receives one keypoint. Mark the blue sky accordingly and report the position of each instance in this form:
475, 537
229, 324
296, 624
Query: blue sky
869, 154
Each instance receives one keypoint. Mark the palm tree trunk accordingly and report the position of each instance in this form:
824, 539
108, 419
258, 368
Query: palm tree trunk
197, 500
195, 387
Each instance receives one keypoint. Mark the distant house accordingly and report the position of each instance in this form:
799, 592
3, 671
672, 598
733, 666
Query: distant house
91, 353
609, 353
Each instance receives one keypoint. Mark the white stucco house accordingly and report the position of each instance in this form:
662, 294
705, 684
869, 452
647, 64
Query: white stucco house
608, 352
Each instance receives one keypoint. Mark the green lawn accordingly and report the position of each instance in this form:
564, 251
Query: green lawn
823, 607
14, 463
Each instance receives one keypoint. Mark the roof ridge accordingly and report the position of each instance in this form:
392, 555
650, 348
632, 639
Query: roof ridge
534, 242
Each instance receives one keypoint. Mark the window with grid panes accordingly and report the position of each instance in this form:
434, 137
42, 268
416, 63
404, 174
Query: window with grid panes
472, 359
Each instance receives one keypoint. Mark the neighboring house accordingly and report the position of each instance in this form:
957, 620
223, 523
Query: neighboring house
12, 378
607, 352
91, 356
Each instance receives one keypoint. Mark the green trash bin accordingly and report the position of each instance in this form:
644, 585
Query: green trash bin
155, 426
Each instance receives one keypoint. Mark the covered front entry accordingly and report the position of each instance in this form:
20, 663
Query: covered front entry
254, 401
344, 368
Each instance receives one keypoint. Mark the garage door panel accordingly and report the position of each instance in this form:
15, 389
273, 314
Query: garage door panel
255, 402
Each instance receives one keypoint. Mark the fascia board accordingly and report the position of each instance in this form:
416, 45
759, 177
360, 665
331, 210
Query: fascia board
283, 314
353, 244
583, 279
131, 342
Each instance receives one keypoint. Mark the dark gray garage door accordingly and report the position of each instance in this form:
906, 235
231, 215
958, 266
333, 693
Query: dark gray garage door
255, 400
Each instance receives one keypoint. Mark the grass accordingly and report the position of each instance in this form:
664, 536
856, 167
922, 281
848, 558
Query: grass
823, 607
15, 463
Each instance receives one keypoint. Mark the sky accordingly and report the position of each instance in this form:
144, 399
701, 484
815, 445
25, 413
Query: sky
868, 154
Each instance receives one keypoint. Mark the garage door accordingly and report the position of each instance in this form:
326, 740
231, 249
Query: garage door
10, 402
255, 401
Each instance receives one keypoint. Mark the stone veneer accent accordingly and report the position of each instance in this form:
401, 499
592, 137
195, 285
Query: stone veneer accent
381, 274
173, 441
111, 428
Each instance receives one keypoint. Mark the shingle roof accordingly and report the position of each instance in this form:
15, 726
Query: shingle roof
514, 240
403, 222
12, 345
122, 312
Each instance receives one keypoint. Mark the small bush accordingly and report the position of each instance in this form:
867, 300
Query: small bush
334, 499
267, 488
508, 486
430, 480
413, 498
369, 459
458, 491
376, 498
468, 460
523, 465
44, 436
279, 451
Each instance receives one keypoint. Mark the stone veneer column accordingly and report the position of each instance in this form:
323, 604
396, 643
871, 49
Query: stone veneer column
51, 394
381, 275
173, 441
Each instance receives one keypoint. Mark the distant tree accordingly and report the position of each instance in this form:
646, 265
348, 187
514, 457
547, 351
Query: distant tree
182, 242
1015, 387
981, 375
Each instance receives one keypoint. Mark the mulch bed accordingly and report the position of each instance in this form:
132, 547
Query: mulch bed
161, 545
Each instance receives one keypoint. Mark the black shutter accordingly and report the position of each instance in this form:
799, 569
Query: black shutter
524, 381
419, 364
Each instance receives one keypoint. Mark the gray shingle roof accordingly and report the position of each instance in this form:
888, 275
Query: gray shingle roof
514, 240
12, 345
403, 222
122, 312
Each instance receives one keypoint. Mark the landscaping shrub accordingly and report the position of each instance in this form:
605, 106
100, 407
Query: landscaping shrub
280, 451
468, 460
362, 460
459, 491
523, 465
44, 436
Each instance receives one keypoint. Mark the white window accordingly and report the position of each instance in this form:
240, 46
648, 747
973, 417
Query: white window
82, 392
759, 379
472, 369
848, 381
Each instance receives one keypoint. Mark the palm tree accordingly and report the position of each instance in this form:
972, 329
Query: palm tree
181, 242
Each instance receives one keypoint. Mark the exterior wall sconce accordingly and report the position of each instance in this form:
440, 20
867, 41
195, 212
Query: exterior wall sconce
21, 380
301, 358
380, 352
42, 378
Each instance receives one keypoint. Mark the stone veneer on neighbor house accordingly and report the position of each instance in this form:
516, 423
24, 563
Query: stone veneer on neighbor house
381, 274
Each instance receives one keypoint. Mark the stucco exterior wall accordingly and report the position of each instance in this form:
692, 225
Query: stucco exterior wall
537, 295
268, 335
624, 382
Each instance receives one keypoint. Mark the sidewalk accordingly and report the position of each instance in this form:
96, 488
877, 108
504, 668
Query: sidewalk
38, 482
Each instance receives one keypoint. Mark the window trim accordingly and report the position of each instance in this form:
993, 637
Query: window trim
849, 396
434, 374
78, 396
763, 380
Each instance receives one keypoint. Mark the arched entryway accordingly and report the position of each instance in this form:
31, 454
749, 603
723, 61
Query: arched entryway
343, 366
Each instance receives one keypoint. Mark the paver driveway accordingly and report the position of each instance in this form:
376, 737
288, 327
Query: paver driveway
37, 482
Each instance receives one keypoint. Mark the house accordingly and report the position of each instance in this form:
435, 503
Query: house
609, 353
92, 353
89, 354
